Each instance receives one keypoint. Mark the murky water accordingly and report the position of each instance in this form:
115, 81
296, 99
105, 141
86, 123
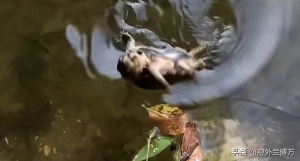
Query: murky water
52, 108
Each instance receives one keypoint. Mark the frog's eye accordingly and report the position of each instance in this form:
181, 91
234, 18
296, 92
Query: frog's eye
139, 52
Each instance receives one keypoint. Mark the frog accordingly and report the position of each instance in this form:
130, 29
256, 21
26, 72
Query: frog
152, 68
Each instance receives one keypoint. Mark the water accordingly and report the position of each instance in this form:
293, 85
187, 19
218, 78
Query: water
50, 99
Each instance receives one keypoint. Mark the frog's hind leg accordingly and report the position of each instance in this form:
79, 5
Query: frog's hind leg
212, 59
202, 63
197, 52
210, 62
207, 53
197, 64
204, 49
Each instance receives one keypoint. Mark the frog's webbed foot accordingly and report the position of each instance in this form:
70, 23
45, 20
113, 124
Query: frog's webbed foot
204, 49
127, 39
211, 58
210, 62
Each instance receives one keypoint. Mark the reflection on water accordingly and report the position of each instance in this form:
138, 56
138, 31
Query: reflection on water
51, 109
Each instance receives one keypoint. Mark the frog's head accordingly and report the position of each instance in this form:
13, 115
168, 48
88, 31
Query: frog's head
133, 62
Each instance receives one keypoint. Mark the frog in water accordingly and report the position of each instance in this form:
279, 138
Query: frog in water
152, 68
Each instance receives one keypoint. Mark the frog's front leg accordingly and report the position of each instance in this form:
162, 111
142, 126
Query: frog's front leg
156, 73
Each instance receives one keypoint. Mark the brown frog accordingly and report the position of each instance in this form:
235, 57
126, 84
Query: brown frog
152, 68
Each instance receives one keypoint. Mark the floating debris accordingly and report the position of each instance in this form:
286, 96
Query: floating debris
47, 150
54, 150
59, 111
6, 140
98, 133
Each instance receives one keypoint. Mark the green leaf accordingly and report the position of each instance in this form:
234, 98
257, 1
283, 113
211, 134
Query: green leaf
158, 146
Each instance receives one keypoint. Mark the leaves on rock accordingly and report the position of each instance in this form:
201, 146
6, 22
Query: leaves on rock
167, 110
171, 120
